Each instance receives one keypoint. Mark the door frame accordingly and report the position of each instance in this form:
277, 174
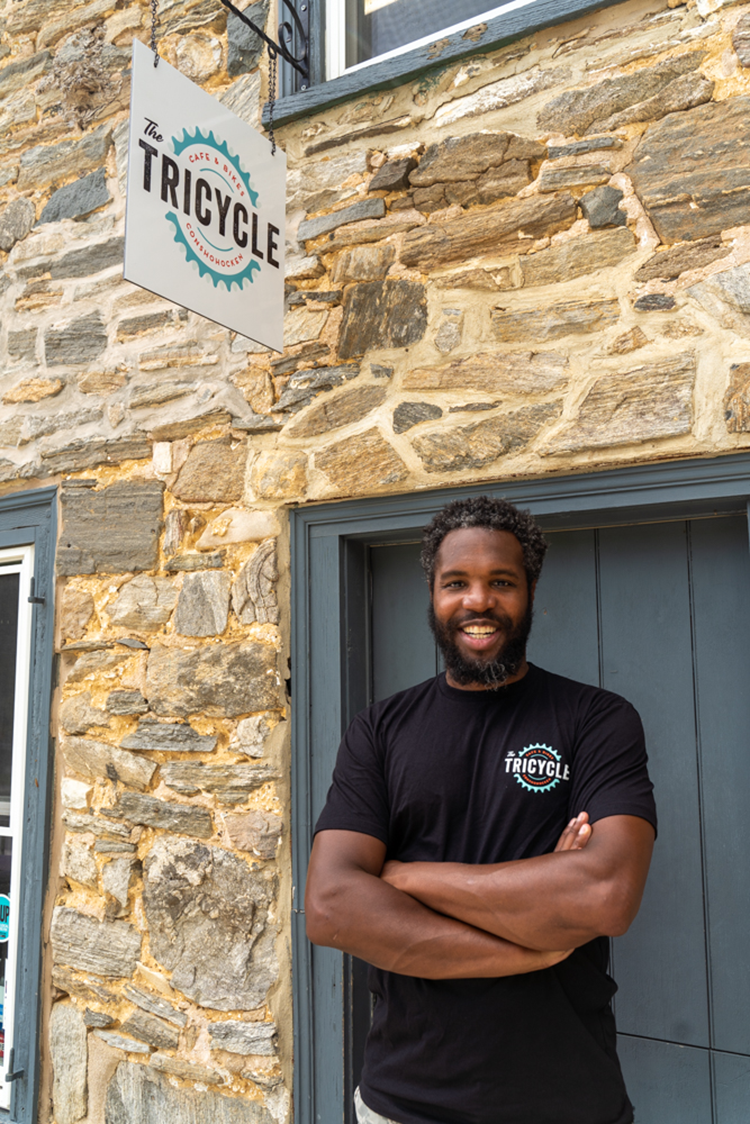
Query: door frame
330, 677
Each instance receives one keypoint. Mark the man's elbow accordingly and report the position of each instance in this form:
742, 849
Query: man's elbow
616, 908
321, 922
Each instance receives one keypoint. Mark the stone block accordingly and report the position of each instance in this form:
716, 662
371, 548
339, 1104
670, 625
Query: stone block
121, 1042
302, 325
136, 1093
10, 430
654, 302
360, 463
363, 263
568, 318
496, 373
16, 221
669, 264
379, 314
152, 1030
457, 159
628, 341
76, 610
303, 386
498, 95
184, 819
643, 404
737, 399
711, 147
225, 679
92, 663
500, 230
280, 475
243, 96
245, 46
681, 93
587, 110
393, 175
117, 875
252, 734
69, 1053
355, 212
97, 760
408, 414
84, 453
77, 715
254, 590
741, 39
144, 603
78, 342
257, 832
75, 795
112, 530
448, 335
77, 199
556, 178
189, 563
46, 163
213, 472
89, 259
154, 1004
731, 286
22, 345
577, 148
475, 446
581, 255
168, 737
78, 863
97, 1018
602, 207
107, 948
40, 425
237, 525
206, 911
96, 825
232, 784
33, 390
24, 71
203, 604
87, 989
244, 1038
349, 406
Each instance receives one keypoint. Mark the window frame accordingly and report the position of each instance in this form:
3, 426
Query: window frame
324, 93
30, 519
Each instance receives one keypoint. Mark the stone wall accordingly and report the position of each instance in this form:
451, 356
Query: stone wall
536, 261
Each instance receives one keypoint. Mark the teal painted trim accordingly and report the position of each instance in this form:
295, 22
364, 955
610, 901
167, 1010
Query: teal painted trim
31, 517
403, 68
675, 489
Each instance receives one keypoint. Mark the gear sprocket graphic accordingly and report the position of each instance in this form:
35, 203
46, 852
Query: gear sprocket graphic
544, 750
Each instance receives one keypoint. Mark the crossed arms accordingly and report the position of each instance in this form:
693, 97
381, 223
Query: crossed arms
455, 920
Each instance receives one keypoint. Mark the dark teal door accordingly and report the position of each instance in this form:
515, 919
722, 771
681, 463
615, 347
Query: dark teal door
659, 613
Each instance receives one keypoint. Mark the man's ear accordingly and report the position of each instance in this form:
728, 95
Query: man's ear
532, 591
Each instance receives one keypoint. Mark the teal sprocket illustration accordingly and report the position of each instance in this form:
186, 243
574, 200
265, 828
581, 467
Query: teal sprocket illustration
537, 767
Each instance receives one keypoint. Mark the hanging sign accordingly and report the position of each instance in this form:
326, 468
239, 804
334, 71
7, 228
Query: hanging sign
4, 917
204, 224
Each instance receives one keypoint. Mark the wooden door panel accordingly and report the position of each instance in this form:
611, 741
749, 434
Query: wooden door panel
731, 1088
404, 651
667, 1084
564, 636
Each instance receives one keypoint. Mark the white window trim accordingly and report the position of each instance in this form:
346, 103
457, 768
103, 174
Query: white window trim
336, 37
18, 560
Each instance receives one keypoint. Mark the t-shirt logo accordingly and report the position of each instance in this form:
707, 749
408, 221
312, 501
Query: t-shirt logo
537, 768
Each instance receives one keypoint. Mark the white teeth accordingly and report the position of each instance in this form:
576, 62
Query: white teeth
479, 630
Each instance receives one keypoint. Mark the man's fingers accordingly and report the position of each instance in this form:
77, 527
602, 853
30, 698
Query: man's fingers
576, 834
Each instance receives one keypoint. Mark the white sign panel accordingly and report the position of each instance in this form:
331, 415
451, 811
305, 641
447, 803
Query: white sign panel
204, 225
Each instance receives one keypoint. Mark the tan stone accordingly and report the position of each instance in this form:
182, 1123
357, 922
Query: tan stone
257, 832
495, 372
255, 383
361, 463
357, 234
629, 406
669, 264
280, 476
363, 263
97, 760
301, 325
236, 525
737, 399
475, 446
213, 471
101, 382
350, 406
628, 341
566, 319
33, 390
581, 255
502, 229
75, 613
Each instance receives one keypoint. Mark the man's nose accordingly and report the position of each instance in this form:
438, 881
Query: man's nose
479, 597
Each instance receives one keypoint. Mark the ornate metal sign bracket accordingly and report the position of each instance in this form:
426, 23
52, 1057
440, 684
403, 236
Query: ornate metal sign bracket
301, 24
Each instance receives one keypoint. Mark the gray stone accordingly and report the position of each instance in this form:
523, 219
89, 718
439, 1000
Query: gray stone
189, 563
68, 1048
257, 832
114, 530
711, 147
188, 1071
16, 221
22, 345
393, 175
92, 451
356, 212
97, 760
120, 1042
89, 663
152, 1030
475, 446
581, 111
154, 1004
408, 414
108, 948
350, 406
24, 71
654, 302
175, 526
74, 821
630, 406
602, 207
116, 878
79, 342
213, 472
245, 46
87, 989
169, 737
669, 264
225, 679
154, 393
577, 148
136, 1093
41, 425
553, 322
78, 863
506, 228
473, 407
457, 159
77, 199
10, 430
126, 702
206, 911
77, 715
741, 39
186, 819
682, 93
203, 605
731, 285
244, 1038
363, 263
495, 372
303, 386
114, 847
252, 733
448, 335
358, 464
737, 399
76, 612
554, 178
378, 371
380, 314
46, 163
581, 255
254, 590
148, 322
97, 1018
89, 259
232, 784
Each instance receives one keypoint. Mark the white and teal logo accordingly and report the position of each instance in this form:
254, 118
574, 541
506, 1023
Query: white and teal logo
212, 205
537, 768
4, 917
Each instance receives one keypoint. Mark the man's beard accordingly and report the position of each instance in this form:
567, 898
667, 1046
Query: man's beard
486, 673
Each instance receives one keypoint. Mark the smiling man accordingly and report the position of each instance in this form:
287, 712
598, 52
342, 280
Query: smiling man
485, 833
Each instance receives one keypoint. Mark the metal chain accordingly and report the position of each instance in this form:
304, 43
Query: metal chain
272, 61
154, 24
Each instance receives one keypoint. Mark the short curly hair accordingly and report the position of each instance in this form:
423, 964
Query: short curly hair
494, 515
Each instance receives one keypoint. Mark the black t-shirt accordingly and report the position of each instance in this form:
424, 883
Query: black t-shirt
446, 775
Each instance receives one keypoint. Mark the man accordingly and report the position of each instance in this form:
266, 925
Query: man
480, 827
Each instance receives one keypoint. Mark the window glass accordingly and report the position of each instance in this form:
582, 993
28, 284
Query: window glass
378, 27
